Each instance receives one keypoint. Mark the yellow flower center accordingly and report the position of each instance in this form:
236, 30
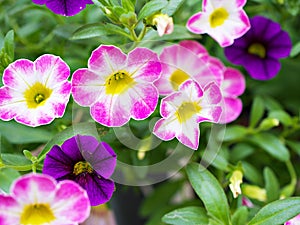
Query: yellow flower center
187, 110
257, 49
82, 167
218, 17
118, 82
37, 214
36, 95
178, 77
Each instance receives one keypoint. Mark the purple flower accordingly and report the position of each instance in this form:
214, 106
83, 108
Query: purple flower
260, 48
64, 7
86, 161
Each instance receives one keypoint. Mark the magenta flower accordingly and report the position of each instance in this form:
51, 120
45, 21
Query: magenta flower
39, 199
35, 93
294, 221
260, 49
86, 161
223, 20
118, 87
64, 7
180, 64
182, 111
231, 81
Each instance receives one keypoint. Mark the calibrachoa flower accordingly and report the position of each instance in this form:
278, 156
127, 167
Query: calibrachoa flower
230, 80
260, 48
35, 93
38, 199
223, 20
118, 87
183, 110
64, 7
294, 221
180, 64
87, 162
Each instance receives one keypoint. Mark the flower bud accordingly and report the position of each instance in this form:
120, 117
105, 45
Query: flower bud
235, 183
255, 192
164, 24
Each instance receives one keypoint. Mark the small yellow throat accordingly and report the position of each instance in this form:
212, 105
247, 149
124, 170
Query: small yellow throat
37, 214
118, 82
36, 95
187, 110
82, 167
258, 50
177, 78
218, 17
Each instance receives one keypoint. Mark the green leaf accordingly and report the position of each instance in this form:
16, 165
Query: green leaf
151, 7
23, 134
272, 145
7, 176
282, 116
210, 192
186, 216
235, 132
9, 44
295, 146
160, 197
98, 30
295, 50
172, 7
241, 151
277, 212
252, 174
257, 111
271, 185
240, 216
128, 5
15, 159
271, 104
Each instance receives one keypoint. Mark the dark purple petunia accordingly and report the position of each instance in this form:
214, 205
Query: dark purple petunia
86, 161
260, 48
64, 7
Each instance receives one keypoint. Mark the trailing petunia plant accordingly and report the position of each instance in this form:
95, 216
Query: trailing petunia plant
149, 112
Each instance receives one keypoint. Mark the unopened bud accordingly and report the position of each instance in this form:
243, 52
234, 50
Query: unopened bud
235, 183
163, 23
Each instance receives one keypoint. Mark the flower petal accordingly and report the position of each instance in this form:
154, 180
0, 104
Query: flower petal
189, 133
166, 129
232, 109
10, 210
100, 155
234, 83
71, 202
198, 23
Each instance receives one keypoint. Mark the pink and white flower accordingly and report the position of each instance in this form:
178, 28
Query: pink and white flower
38, 199
223, 20
231, 81
34, 93
180, 64
182, 111
294, 221
118, 87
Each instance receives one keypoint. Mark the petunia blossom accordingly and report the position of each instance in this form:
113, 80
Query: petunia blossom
118, 87
231, 81
180, 64
294, 221
182, 111
88, 162
64, 7
38, 199
35, 93
260, 49
223, 20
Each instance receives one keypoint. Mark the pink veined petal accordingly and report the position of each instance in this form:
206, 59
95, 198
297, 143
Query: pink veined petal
144, 65
165, 129
87, 86
144, 98
10, 101
192, 90
112, 110
234, 83
212, 94
210, 5
240, 3
10, 210
198, 23
106, 60
71, 202
210, 113
232, 109
171, 103
32, 187
19, 75
195, 47
189, 133
51, 70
